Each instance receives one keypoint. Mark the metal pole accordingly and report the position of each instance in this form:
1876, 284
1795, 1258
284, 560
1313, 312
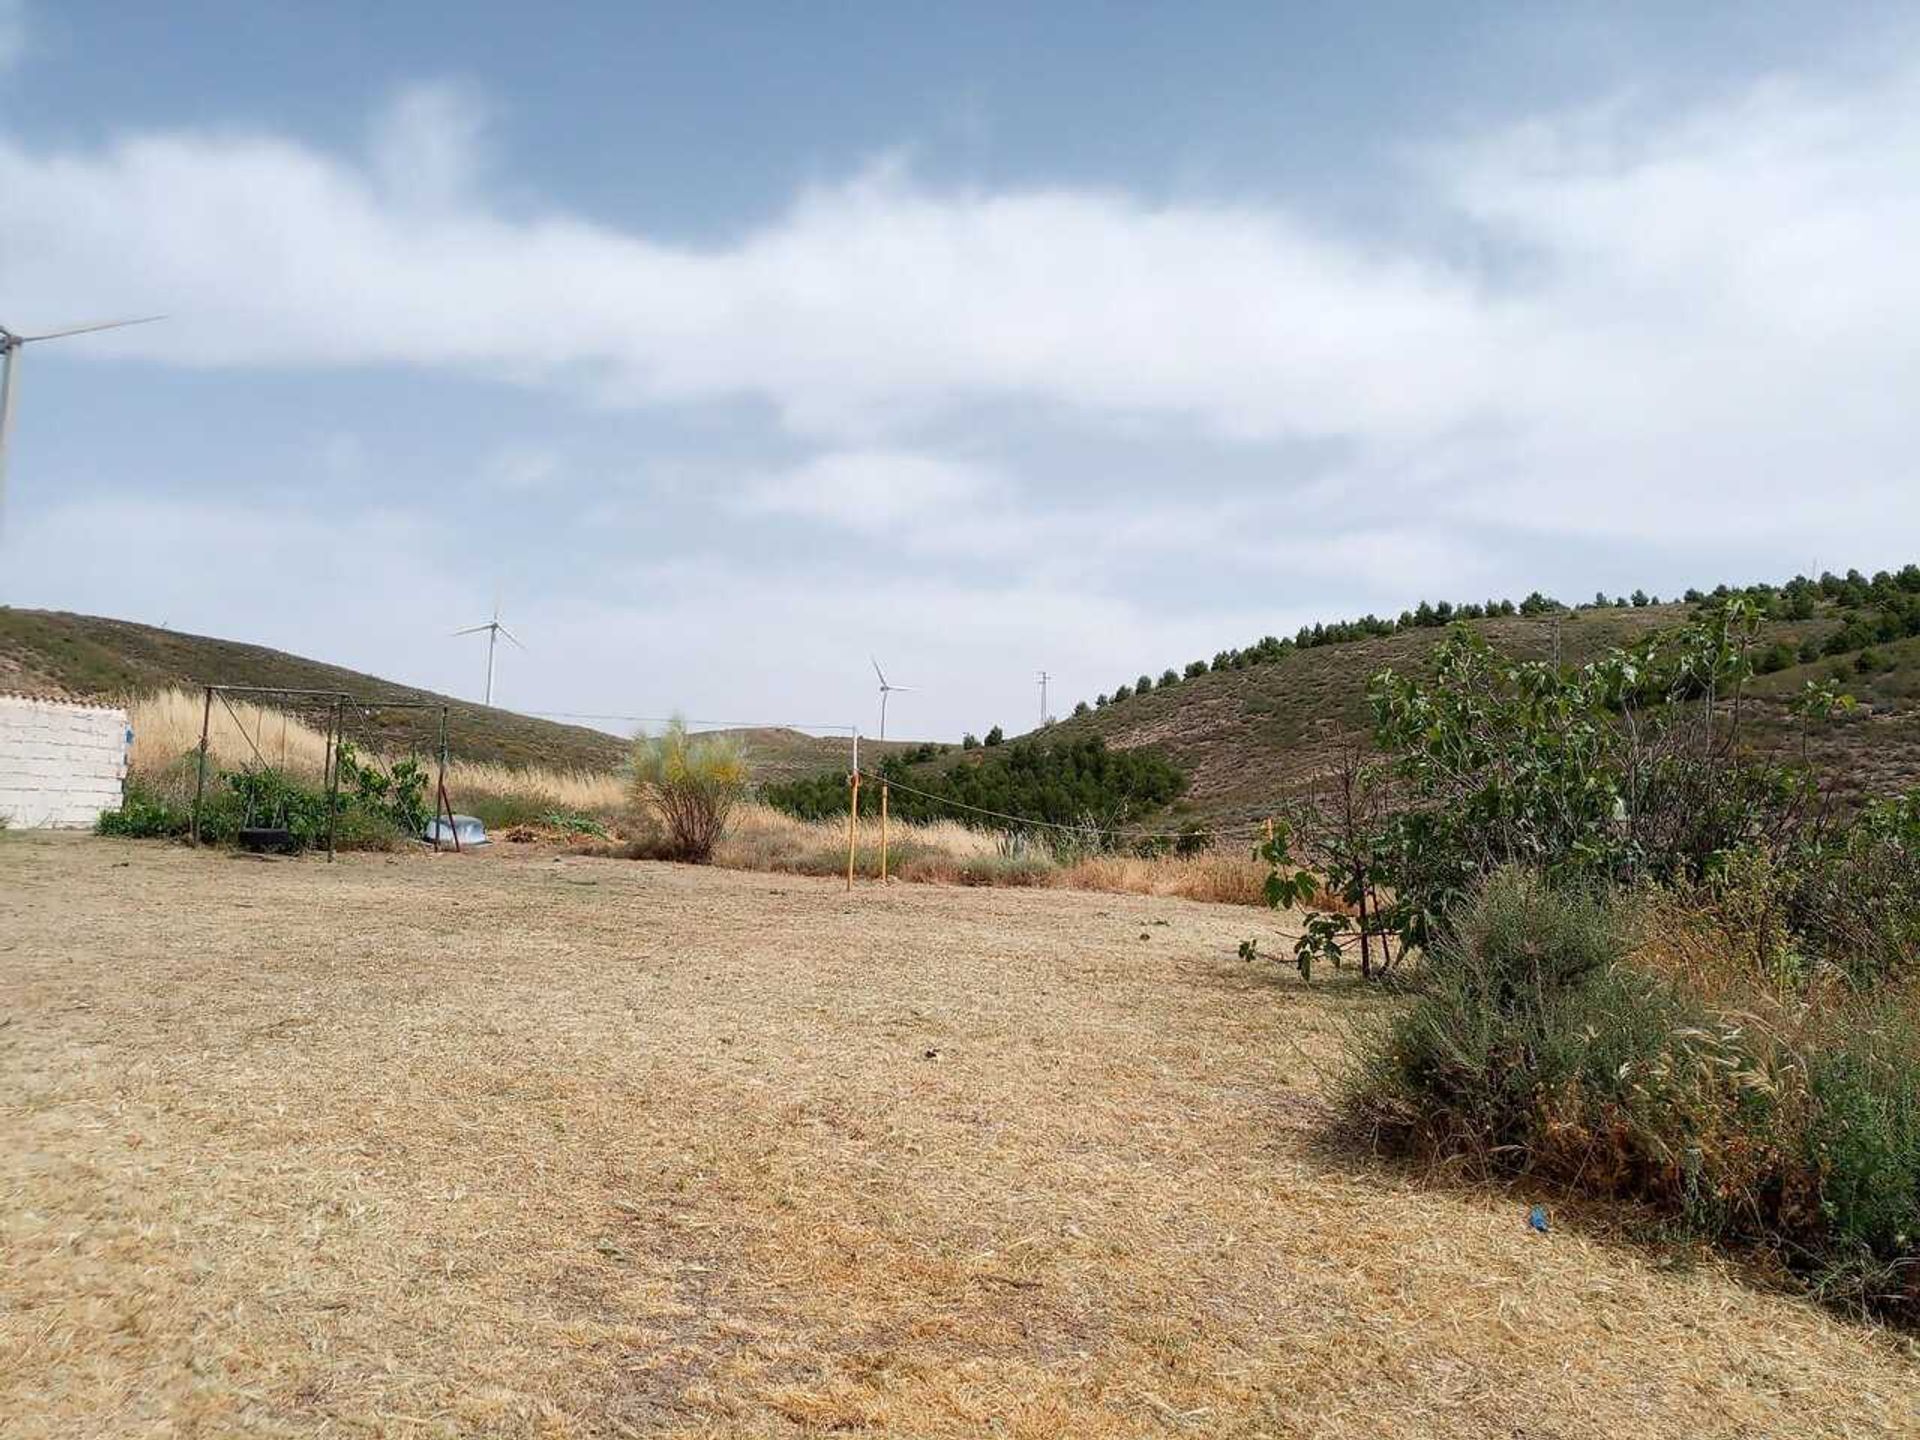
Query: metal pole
853, 825
9, 355
440, 780
493, 638
883, 832
200, 780
333, 775
446, 800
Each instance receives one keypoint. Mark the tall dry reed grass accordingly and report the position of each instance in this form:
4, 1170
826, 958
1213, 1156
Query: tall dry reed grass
166, 727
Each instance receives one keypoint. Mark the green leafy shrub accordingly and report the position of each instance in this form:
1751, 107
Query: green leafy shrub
398, 796
1538, 1044
573, 822
1622, 770
996, 736
1863, 1144
502, 811
359, 828
691, 783
1853, 895
144, 815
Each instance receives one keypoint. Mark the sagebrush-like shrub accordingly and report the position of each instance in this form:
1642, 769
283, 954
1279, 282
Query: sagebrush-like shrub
691, 784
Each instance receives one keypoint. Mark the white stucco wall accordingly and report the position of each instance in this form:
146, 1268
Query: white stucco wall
60, 764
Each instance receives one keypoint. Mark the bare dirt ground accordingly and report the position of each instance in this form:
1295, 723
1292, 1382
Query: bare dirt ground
569, 1147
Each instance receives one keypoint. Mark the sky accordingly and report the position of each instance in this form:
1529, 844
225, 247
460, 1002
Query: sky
731, 346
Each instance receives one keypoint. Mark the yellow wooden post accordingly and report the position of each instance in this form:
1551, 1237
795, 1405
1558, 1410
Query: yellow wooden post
883, 832
853, 824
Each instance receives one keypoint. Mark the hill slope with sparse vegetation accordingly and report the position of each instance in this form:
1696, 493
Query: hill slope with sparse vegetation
91, 656
1250, 725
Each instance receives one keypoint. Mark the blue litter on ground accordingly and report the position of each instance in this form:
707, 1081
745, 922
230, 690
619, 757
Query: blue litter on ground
1537, 1218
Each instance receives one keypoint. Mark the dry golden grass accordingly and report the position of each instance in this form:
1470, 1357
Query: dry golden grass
760, 837
497, 1146
166, 725
1231, 879
590, 792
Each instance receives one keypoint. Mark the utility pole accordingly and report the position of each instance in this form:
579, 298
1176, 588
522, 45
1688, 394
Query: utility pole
1044, 677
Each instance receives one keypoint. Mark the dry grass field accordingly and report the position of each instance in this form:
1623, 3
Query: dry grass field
517, 1145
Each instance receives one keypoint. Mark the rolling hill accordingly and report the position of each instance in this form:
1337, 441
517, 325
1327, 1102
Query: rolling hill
1243, 731
89, 656
1244, 735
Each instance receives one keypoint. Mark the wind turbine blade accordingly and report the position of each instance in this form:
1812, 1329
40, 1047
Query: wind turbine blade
474, 629
878, 671
89, 329
508, 633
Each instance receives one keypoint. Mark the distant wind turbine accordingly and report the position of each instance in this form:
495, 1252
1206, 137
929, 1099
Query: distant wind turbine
494, 631
10, 344
886, 690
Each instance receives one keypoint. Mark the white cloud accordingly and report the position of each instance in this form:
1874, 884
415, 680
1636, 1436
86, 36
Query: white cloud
1696, 336
1719, 301
870, 490
866, 304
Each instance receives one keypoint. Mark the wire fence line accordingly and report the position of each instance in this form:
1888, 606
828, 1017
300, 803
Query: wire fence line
847, 730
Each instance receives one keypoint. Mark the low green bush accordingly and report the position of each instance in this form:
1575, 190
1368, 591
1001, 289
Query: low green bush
144, 815
1862, 1142
358, 828
502, 812
373, 810
1535, 1045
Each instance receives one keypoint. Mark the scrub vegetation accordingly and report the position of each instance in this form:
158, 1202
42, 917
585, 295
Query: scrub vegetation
1652, 966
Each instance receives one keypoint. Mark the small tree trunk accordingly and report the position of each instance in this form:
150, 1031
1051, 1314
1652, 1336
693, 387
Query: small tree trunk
1366, 944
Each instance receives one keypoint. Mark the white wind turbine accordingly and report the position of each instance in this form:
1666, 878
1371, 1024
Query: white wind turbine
10, 346
494, 631
886, 690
